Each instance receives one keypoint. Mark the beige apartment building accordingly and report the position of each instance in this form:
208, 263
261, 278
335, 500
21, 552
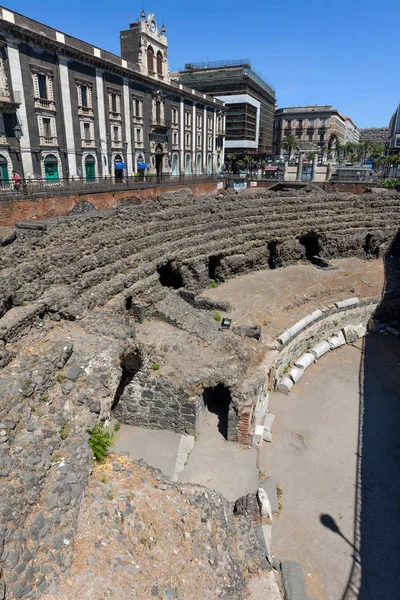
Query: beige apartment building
312, 124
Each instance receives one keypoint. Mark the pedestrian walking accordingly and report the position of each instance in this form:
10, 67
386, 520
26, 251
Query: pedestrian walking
17, 181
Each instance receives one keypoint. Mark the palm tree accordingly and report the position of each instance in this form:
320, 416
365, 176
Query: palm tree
231, 157
376, 150
290, 143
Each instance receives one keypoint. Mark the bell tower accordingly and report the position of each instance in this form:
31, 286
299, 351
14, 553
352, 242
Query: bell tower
145, 45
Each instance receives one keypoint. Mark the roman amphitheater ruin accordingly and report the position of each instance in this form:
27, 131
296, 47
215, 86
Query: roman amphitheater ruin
116, 314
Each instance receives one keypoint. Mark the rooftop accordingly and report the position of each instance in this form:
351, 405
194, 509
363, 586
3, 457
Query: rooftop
241, 63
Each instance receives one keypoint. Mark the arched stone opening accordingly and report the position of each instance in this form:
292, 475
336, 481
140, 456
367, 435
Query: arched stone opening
312, 244
273, 254
130, 364
159, 63
371, 247
217, 400
150, 60
215, 268
170, 276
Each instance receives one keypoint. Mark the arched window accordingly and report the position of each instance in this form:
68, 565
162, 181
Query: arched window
187, 165
51, 167
198, 165
150, 59
4, 177
175, 165
90, 168
159, 63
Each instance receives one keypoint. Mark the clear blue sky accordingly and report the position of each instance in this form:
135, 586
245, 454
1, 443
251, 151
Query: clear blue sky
344, 53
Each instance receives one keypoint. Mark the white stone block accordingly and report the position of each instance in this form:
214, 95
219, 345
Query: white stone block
346, 303
258, 435
304, 361
285, 385
295, 373
267, 436
336, 341
284, 337
361, 330
268, 420
350, 333
267, 533
265, 505
320, 349
294, 329
313, 316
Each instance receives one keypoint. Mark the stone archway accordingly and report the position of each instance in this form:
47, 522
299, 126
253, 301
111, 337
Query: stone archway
217, 400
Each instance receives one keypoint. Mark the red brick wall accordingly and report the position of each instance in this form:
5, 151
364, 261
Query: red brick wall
32, 209
245, 415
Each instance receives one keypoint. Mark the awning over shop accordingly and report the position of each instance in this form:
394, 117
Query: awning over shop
141, 165
119, 165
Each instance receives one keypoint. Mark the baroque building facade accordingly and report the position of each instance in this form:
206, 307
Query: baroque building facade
311, 124
84, 112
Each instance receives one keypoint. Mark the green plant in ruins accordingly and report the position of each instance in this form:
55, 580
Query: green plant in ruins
100, 440
290, 143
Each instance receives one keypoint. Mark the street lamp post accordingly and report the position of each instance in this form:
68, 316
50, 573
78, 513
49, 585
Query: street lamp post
18, 134
125, 147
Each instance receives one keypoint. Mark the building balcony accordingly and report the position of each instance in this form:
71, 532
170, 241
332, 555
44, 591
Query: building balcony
48, 141
116, 143
88, 143
160, 124
137, 119
85, 111
45, 104
115, 116
220, 133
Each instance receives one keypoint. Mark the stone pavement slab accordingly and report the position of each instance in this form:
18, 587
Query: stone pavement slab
158, 448
223, 466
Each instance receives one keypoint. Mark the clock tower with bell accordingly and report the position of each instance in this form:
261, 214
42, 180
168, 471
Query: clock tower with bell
145, 44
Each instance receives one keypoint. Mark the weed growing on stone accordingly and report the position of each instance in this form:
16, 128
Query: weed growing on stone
213, 284
110, 495
100, 440
217, 316
103, 479
56, 458
44, 397
155, 366
60, 376
286, 369
261, 475
65, 429
117, 426
279, 493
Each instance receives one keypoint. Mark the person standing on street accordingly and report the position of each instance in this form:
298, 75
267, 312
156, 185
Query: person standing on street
16, 180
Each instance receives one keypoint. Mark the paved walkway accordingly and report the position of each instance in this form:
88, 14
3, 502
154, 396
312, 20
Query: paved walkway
157, 447
315, 457
223, 466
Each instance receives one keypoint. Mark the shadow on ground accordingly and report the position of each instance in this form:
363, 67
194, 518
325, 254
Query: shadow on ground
375, 570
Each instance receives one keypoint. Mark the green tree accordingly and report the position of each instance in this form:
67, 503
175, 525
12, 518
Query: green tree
290, 143
376, 150
231, 157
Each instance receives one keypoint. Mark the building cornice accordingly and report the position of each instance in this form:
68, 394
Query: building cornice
126, 70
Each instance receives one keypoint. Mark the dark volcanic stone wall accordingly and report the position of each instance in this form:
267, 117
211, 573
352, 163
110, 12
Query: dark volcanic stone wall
76, 263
